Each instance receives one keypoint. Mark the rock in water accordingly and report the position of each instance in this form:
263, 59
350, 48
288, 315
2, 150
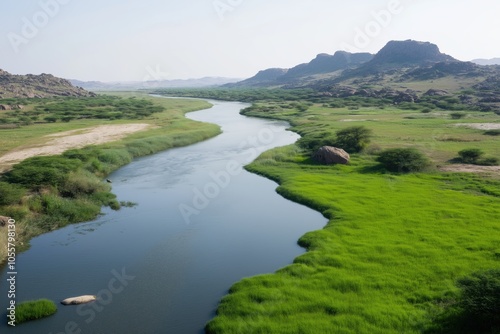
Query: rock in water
332, 155
78, 300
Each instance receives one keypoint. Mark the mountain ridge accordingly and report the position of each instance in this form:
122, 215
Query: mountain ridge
38, 86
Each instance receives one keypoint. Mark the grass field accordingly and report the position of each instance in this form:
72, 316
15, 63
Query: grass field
395, 245
80, 193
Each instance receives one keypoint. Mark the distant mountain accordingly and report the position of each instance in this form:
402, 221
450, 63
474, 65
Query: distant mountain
43, 85
486, 62
409, 52
134, 85
321, 65
325, 63
397, 56
267, 77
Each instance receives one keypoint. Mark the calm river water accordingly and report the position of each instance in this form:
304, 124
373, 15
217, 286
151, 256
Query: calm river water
201, 224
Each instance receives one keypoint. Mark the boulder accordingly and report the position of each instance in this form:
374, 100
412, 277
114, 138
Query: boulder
332, 155
4, 220
5, 107
436, 92
79, 300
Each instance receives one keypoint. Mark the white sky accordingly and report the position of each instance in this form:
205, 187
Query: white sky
123, 40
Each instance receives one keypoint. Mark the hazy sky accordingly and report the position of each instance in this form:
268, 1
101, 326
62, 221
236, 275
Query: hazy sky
118, 40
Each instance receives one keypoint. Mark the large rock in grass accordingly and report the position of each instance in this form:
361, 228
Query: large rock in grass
331, 155
79, 300
4, 220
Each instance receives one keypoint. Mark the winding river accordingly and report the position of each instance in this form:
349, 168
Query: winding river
201, 224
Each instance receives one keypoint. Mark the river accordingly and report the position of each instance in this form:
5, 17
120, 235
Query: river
201, 224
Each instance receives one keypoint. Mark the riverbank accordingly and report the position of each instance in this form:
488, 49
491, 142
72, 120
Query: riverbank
389, 259
76, 192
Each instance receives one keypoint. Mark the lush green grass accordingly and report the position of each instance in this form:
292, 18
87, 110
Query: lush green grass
33, 310
46, 193
389, 259
435, 133
385, 263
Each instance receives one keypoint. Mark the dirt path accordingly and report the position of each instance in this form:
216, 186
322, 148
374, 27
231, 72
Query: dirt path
64, 141
481, 126
461, 168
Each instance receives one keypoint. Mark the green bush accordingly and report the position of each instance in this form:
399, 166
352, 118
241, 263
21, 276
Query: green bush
82, 183
313, 141
353, 139
11, 193
403, 160
470, 155
495, 132
42, 171
489, 161
480, 298
32, 310
35, 177
458, 115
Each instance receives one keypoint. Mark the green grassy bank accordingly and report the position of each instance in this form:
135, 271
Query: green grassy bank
395, 245
46, 193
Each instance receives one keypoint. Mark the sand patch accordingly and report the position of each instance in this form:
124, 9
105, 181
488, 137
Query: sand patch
481, 126
64, 141
354, 120
462, 168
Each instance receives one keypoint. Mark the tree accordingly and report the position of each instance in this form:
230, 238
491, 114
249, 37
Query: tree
403, 160
353, 139
470, 155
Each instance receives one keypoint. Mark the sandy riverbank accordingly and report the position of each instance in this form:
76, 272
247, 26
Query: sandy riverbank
64, 141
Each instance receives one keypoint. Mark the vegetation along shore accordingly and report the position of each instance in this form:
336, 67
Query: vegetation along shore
43, 193
400, 244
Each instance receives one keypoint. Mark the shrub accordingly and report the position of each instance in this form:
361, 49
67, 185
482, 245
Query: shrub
489, 161
35, 177
11, 193
32, 310
353, 139
495, 132
470, 155
82, 183
403, 160
458, 115
480, 298
316, 140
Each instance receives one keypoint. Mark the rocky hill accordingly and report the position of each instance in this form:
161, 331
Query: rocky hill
402, 71
410, 53
267, 77
37, 86
325, 63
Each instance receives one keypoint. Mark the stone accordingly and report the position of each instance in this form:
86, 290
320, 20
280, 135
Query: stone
4, 220
332, 155
79, 300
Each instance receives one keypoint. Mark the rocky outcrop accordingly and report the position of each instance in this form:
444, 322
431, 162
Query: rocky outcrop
4, 220
13, 107
79, 300
37, 86
410, 52
436, 92
331, 155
